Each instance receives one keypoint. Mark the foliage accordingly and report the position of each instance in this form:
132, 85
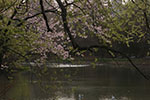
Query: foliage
44, 27
16, 43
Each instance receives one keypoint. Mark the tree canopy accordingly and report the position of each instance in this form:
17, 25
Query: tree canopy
40, 27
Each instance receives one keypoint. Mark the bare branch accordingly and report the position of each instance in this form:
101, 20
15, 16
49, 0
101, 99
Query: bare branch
79, 9
114, 51
45, 17
30, 17
65, 23
13, 15
46, 11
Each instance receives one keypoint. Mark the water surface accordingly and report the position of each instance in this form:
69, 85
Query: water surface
103, 82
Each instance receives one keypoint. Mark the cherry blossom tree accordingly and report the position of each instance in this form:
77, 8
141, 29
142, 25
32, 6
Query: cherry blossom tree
39, 27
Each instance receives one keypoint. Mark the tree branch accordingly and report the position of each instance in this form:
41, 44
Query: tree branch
144, 13
2, 45
65, 23
146, 20
45, 17
30, 17
3, 10
114, 51
13, 15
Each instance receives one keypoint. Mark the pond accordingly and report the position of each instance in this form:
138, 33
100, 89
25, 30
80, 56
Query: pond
101, 82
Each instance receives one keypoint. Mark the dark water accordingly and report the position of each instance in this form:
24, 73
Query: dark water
78, 83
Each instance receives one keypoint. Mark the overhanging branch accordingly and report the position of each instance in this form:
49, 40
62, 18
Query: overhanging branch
65, 23
44, 16
39, 13
114, 51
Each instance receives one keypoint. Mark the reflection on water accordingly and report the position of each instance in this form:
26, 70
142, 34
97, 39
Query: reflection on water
77, 83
